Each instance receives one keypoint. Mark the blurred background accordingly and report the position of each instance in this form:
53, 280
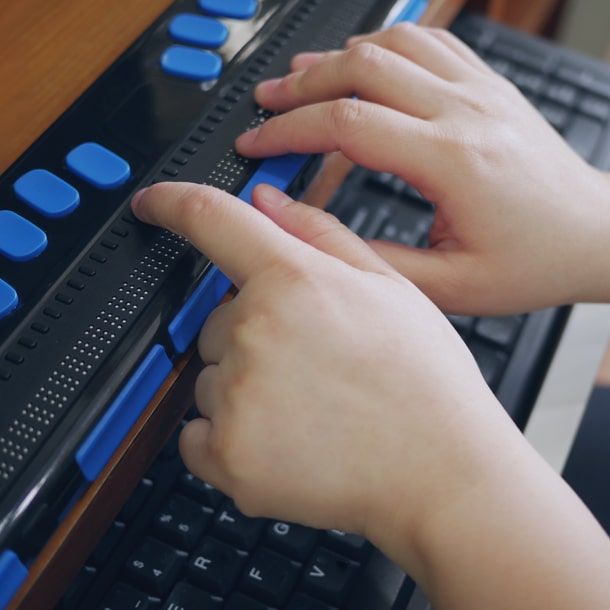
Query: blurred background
580, 24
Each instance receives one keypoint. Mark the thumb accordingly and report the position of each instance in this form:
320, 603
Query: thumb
444, 276
195, 452
319, 229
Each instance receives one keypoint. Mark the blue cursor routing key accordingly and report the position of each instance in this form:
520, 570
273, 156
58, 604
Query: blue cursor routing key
409, 10
122, 414
12, 575
278, 171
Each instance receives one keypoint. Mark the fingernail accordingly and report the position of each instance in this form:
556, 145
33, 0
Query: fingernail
352, 40
273, 197
247, 139
268, 86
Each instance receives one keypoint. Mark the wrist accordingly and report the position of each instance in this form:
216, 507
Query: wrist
587, 266
495, 533
404, 524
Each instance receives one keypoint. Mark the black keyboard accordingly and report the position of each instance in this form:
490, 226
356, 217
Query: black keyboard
179, 544
179, 541
571, 90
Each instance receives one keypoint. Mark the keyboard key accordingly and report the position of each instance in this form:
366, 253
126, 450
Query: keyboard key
584, 79
387, 181
154, 567
199, 490
232, 526
537, 61
561, 93
237, 9
107, 544
358, 219
269, 577
77, 588
215, 566
380, 217
595, 107
501, 330
583, 135
349, 545
295, 541
304, 602
98, 166
124, 597
187, 597
8, 299
500, 65
557, 115
191, 64
198, 30
527, 81
181, 522
20, 240
238, 601
46, 193
328, 576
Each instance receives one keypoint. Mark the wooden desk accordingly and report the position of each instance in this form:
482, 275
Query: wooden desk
53, 51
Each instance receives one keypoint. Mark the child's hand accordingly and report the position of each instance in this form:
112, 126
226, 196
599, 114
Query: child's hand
521, 221
336, 395
334, 390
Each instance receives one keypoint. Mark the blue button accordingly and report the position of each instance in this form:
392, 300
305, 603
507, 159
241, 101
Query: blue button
185, 326
98, 166
20, 240
46, 193
12, 575
236, 9
8, 299
190, 63
122, 414
198, 30
413, 11
278, 171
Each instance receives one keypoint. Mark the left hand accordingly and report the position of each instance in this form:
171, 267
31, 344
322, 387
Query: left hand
521, 221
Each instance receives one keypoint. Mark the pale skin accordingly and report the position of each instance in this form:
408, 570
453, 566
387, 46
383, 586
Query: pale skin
336, 394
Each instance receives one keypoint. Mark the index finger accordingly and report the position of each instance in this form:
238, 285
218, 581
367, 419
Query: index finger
237, 238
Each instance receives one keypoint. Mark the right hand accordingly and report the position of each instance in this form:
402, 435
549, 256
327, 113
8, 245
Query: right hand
521, 222
336, 395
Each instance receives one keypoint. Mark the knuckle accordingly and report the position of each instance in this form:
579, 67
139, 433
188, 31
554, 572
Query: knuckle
321, 225
401, 30
344, 115
292, 85
188, 206
400, 36
365, 57
443, 35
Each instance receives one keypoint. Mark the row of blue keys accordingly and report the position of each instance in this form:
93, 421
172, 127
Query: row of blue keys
49, 195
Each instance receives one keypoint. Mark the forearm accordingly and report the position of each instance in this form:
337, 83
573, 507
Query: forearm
517, 538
